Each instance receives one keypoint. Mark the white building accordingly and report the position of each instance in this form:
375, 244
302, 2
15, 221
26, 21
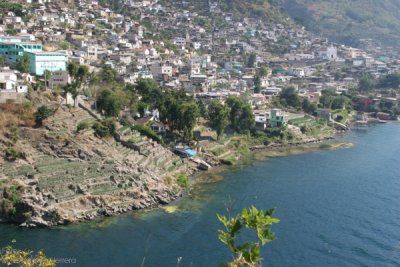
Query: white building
327, 53
8, 80
179, 41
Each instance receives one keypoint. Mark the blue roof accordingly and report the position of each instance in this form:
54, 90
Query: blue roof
191, 152
187, 151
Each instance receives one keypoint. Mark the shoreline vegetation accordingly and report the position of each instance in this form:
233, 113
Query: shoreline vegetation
261, 153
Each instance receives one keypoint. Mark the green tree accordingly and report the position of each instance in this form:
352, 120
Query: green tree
108, 75
41, 114
366, 83
257, 84
109, 102
188, 114
235, 105
263, 71
391, 80
258, 221
218, 115
309, 107
340, 102
23, 64
327, 97
289, 97
246, 120
241, 115
251, 61
82, 73
71, 89
72, 68
148, 89
202, 109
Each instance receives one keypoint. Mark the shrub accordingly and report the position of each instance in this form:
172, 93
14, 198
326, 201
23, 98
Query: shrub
183, 181
7, 208
11, 154
100, 130
104, 128
82, 126
146, 131
41, 114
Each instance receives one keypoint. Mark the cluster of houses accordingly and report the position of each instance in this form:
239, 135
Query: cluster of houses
181, 46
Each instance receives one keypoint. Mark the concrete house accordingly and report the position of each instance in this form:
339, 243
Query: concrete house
327, 53
278, 118
8, 80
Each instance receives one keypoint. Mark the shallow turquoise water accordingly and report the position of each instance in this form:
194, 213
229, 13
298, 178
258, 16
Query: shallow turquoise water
337, 208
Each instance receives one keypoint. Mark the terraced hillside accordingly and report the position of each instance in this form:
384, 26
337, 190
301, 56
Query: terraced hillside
68, 176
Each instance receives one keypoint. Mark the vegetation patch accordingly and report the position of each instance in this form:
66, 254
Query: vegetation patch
183, 181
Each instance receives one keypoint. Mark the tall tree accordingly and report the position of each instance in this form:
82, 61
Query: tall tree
241, 115
23, 64
247, 120
257, 84
72, 68
188, 114
366, 83
289, 97
218, 114
109, 102
263, 71
251, 61
235, 105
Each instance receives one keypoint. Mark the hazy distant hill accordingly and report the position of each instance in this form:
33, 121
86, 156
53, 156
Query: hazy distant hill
343, 21
263, 9
347, 21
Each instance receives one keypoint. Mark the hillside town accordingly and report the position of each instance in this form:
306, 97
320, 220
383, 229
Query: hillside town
170, 45
176, 87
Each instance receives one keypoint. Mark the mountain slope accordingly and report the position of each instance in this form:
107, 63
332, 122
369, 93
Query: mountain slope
347, 21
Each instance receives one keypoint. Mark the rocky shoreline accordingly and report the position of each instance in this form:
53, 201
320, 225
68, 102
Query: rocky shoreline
65, 176
127, 200
68, 177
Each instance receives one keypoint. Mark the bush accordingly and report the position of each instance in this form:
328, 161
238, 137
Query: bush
273, 132
82, 126
12, 155
41, 114
183, 181
146, 131
7, 208
104, 128
305, 129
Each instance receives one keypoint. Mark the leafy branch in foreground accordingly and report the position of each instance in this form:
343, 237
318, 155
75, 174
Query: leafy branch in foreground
247, 254
24, 258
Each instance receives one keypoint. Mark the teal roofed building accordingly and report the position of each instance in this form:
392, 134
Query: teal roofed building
12, 48
39, 62
12, 51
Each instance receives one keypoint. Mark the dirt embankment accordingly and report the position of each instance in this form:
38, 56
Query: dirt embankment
61, 176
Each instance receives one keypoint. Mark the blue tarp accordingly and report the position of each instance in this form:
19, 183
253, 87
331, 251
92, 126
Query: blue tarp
187, 152
191, 152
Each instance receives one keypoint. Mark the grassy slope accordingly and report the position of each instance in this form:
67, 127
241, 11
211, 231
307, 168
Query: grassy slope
345, 21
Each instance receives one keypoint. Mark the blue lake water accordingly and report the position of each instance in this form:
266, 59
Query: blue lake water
337, 208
